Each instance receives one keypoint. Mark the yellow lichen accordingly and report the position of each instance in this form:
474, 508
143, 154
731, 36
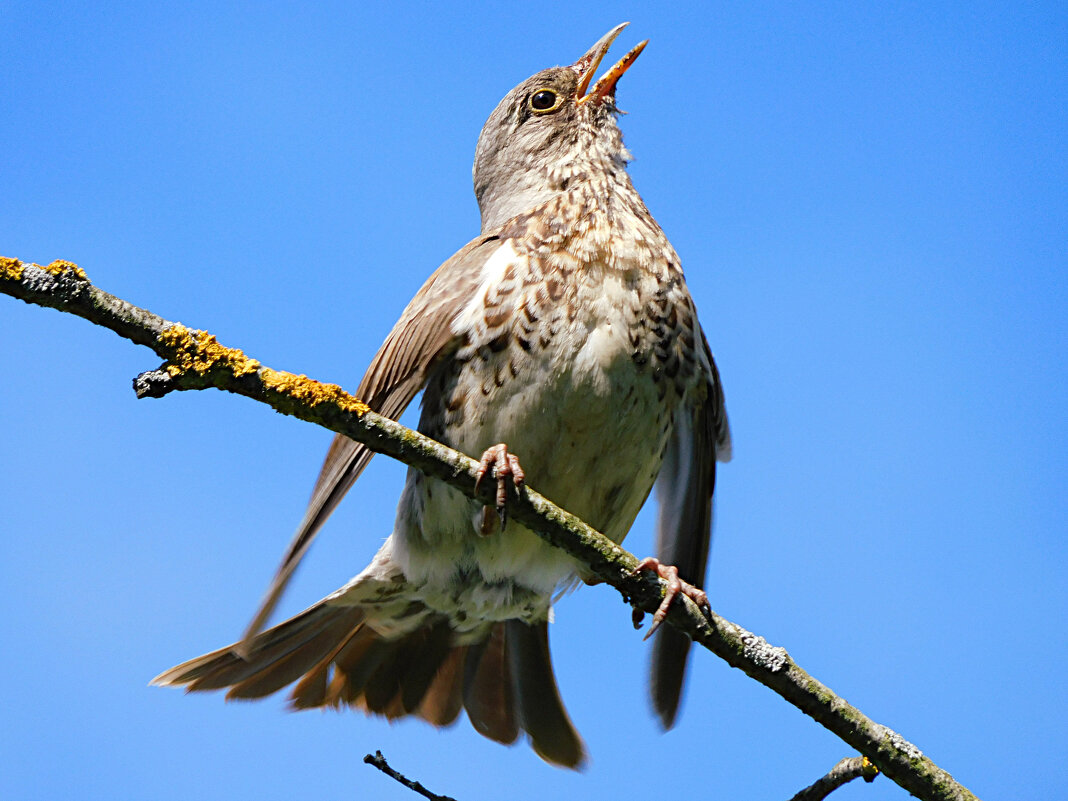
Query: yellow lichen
13, 269
312, 392
200, 351
869, 769
10, 269
60, 266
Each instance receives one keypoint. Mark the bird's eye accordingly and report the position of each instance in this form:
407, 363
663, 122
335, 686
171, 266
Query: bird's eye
544, 100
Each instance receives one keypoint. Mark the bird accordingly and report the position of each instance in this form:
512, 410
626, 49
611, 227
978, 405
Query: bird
562, 347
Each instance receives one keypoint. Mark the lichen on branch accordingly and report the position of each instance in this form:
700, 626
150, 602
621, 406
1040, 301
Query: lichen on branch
201, 352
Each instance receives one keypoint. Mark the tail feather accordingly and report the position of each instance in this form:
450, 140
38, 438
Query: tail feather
444, 697
541, 709
505, 681
310, 691
354, 666
668, 671
287, 669
424, 665
225, 668
488, 689
383, 684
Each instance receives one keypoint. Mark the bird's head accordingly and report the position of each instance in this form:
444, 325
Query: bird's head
554, 129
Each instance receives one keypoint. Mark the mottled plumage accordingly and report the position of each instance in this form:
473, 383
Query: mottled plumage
566, 331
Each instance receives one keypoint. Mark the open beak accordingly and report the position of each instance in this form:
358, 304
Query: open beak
587, 66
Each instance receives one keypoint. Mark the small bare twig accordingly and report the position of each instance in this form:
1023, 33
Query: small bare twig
842, 773
379, 762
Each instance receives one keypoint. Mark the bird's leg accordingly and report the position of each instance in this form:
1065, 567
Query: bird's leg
505, 465
675, 585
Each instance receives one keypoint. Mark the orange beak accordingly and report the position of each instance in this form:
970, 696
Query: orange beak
588, 64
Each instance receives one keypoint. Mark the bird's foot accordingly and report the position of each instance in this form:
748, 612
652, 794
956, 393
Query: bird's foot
505, 466
675, 585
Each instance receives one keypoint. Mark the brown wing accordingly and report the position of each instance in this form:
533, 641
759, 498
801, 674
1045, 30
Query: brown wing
422, 337
687, 480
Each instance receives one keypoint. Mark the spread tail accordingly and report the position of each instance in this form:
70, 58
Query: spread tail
504, 680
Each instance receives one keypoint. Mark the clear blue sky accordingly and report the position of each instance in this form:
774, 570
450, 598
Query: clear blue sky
871, 207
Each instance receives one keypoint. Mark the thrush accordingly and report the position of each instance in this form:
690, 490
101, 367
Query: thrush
561, 345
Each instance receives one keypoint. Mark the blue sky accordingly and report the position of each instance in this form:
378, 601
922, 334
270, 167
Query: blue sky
871, 205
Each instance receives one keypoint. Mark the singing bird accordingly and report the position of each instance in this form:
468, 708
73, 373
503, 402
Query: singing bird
562, 345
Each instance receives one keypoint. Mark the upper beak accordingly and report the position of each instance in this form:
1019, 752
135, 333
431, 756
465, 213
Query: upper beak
587, 66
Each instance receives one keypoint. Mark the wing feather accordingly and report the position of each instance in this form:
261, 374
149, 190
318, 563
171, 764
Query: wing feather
700, 438
420, 339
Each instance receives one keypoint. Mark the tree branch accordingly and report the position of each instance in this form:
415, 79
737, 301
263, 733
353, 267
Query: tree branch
195, 360
842, 773
378, 761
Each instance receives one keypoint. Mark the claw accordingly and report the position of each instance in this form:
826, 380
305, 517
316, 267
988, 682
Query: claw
505, 465
636, 617
675, 585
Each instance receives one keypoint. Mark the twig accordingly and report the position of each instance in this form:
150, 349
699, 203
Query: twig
842, 773
195, 360
379, 762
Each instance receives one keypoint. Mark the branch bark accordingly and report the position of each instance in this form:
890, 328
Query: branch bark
195, 360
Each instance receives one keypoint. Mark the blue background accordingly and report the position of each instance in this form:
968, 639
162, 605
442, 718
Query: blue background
871, 207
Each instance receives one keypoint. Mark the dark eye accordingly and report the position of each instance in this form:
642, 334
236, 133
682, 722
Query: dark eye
544, 100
